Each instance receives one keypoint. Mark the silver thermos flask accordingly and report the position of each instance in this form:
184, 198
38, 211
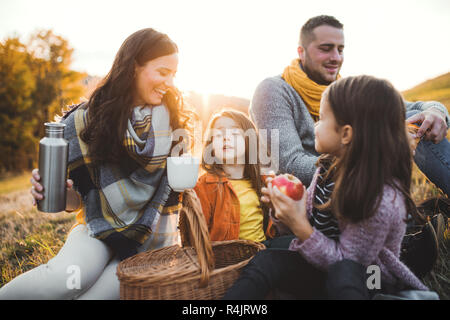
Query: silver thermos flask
53, 153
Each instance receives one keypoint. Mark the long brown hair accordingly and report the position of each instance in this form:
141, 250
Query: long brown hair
379, 152
252, 171
111, 104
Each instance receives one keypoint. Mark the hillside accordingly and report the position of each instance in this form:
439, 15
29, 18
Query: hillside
206, 105
437, 89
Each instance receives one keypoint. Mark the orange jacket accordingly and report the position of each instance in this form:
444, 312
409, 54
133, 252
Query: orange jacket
221, 208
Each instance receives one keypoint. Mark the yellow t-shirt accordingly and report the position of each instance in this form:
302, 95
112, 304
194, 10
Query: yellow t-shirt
252, 218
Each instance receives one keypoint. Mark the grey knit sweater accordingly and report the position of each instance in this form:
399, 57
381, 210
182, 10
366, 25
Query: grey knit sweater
276, 105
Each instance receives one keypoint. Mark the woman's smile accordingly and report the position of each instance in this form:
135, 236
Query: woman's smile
154, 79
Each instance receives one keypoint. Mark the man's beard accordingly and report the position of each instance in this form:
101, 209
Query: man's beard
314, 75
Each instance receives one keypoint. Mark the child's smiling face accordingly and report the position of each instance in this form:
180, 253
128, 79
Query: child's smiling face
228, 141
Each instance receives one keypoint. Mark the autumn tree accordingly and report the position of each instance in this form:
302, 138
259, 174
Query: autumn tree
56, 84
17, 85
36, 82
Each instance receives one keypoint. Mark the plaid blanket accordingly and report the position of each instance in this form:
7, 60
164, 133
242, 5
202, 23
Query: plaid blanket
125, 206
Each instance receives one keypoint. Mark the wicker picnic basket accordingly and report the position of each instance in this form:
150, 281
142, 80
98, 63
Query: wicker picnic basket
199, 270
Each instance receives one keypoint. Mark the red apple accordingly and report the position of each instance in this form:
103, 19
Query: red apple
289, 185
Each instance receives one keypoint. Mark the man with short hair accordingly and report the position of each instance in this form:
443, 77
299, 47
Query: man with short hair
290, 103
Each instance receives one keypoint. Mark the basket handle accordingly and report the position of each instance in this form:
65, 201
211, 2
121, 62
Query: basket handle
194, 233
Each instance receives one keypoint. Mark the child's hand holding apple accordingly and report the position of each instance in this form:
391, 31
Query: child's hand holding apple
286, 193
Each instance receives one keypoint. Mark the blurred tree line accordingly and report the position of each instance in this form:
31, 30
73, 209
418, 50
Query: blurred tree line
36, 82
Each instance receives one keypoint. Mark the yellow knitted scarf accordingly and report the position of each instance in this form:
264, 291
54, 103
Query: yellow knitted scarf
310, 91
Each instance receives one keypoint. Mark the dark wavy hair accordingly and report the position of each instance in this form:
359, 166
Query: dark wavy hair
379, 153
111, 104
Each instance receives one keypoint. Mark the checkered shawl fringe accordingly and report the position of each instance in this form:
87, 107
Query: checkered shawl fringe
122, 205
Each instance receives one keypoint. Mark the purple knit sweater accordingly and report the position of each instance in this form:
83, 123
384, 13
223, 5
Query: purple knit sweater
374, 241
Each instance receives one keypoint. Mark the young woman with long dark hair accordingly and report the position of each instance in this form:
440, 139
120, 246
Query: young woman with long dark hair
118, 144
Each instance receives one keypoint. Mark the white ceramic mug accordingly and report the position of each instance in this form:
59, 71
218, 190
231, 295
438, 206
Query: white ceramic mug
182, 172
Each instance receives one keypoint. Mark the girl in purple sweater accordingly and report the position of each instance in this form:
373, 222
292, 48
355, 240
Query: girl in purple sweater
353, 213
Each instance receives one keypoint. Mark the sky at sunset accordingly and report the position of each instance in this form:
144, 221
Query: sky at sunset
228, 47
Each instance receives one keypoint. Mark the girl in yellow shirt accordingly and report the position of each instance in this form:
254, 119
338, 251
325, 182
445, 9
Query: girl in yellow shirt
230, 190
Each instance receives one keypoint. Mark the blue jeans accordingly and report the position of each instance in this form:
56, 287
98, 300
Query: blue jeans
434, 160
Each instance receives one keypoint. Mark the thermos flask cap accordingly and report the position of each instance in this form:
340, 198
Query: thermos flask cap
54, 126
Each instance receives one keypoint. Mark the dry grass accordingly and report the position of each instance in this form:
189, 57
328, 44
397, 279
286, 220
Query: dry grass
10, 184
30, 238
439, 278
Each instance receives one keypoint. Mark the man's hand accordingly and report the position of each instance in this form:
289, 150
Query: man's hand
432, 124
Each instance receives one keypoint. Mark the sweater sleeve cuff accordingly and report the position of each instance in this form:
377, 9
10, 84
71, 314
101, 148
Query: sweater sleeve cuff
316, 250
308, 247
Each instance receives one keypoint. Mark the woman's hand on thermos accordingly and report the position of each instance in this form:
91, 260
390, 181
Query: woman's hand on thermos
37, 188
